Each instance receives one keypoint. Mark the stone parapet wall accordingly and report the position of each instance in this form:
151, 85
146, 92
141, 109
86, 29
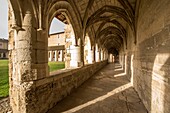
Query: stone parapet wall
46, 92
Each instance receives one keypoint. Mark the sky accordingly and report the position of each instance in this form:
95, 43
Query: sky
56, 25
3, 19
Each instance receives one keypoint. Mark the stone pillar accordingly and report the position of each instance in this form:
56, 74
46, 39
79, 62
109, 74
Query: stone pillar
51, 56
102, 56
1, 55
59, 55
6, 54
110, 58
56, 55
75, 56
113, 58
28, 62
91, 56
67, 58
97, 56
106, 55
86, 56
81, 63
62, 55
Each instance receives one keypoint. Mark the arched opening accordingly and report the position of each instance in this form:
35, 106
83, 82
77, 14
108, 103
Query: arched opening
97, 53
29, 32
62, 46
63, 11
111, 58
56, 45
101, 54
88, 51
4, 77
72, 52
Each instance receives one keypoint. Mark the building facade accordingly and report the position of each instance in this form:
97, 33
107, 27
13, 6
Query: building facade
3, 48
56, 47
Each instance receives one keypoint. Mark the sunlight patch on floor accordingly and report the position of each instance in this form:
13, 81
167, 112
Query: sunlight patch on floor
119, 75
119, 69
101, 98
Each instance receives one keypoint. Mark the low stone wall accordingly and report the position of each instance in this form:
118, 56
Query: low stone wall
4, 105
47, 92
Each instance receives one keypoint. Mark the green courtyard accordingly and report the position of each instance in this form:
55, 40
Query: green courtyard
4, 81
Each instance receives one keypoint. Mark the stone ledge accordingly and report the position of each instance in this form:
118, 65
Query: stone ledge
62, 73
46, 93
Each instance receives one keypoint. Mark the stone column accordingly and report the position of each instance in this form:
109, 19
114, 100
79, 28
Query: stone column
67, 58
81, 63
113, 58
110, 58
56, 56
101, 55
62, 55
75, 56
107, 55
86, 54
97, 56
1, 55
28, 61
6, 54
91, 56
51, 56
104, 55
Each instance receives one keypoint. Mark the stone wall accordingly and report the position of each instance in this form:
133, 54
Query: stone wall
152, 55
45, 93
126, 54
57, 39
147, 63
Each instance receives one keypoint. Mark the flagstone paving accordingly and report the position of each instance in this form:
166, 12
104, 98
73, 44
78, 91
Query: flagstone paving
108, 91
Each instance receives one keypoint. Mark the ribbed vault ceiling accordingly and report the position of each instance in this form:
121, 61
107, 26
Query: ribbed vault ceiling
108, 19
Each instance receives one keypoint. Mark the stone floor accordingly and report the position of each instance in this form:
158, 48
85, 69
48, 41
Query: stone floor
108, 91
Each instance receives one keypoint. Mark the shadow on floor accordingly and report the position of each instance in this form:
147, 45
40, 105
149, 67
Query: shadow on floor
108, 91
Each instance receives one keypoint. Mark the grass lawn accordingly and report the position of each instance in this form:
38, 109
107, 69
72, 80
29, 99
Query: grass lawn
56, 65
4, 81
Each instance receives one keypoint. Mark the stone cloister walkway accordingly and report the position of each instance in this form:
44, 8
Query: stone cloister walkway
108, 91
